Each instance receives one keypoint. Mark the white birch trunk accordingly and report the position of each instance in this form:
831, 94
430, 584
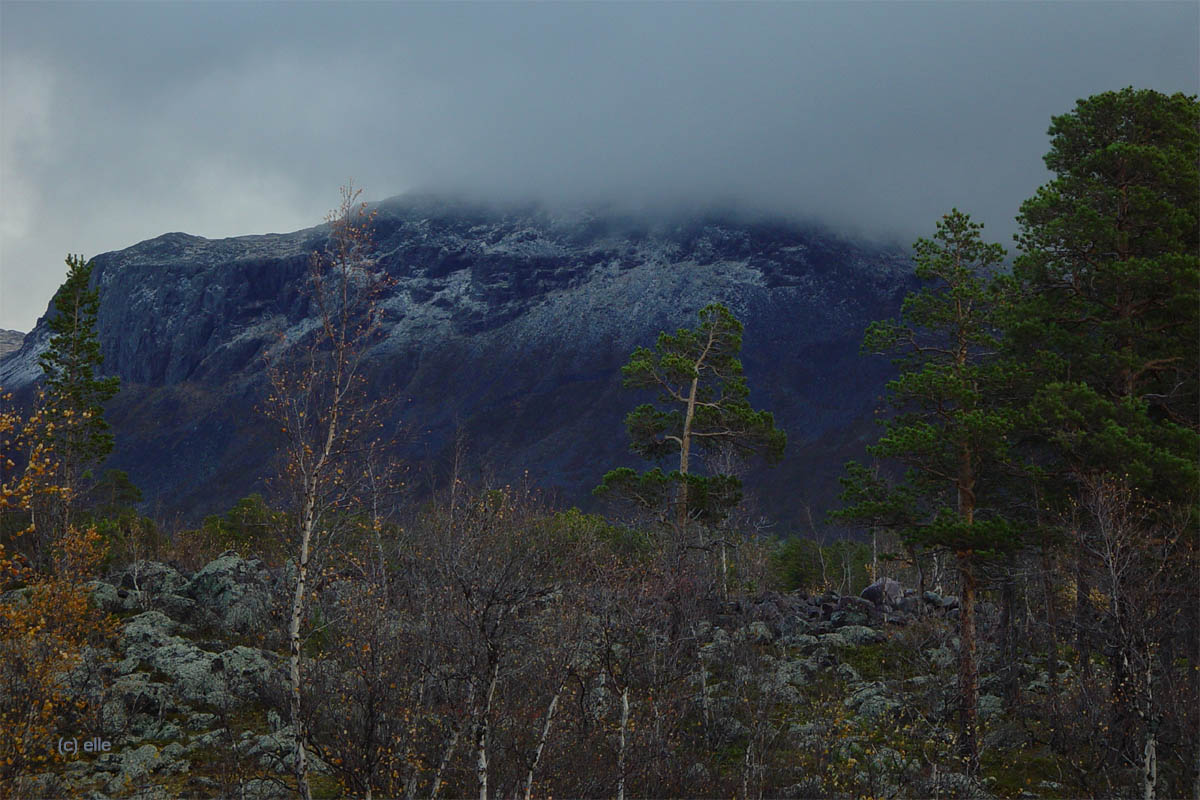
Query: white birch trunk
621, 750
541, 745
481, 735
451, 746
1150, 752
301, 767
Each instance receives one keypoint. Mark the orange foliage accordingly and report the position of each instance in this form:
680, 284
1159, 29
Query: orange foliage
46, 622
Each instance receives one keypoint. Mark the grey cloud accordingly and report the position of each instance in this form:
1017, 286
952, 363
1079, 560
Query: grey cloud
121, 122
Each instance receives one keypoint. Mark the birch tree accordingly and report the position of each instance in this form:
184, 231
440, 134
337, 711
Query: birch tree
318, 400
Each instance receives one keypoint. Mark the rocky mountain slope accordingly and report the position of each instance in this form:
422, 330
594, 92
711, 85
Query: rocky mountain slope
10, 341
187, 709
508, 326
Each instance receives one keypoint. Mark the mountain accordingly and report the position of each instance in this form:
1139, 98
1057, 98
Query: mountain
10, 341
508, 326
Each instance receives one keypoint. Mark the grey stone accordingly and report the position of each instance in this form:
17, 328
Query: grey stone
843, 618
176, 605
153, 577
872, 701
195, 675
940, 657
884, 592
136, 765
233, 593
138, 695
801, 641
847, 673
201, 721
759, 632
860, 635
106, 597
205, 741
989, 706
145, 633
260, 789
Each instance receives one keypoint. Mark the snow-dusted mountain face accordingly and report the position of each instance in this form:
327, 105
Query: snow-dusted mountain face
507, 326
10, 341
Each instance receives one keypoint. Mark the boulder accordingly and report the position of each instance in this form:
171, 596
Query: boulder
153, 577
112, 599
759, 632
860, 635
841, 619
233, 593
145, 633
195, 675
872, 701
884, 593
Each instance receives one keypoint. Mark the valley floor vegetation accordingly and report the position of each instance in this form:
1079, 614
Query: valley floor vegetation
1006, 608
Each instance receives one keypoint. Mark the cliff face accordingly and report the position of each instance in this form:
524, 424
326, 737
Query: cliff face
10, 341
509, 326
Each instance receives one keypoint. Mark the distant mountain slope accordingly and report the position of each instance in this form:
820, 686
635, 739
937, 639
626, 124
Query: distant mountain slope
509, 326
10, 341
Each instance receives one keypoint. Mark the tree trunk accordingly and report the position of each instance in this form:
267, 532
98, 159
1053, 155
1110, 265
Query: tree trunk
309, 523
621, 744
1008, 656
968, 671
541, 745
916, 556
447, 755
481, 734
1052, 625
1082, 591
1150, 751
685, 445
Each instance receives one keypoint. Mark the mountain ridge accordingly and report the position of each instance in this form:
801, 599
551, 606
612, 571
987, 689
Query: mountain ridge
507, 325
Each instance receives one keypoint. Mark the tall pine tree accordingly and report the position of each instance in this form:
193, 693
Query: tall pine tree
951, 427
703, 404
1110, 320
75, 392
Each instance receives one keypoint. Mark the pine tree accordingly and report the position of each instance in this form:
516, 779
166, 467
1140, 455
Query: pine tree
1110, 278
1110, 321
703, 404
951, 428
74, 391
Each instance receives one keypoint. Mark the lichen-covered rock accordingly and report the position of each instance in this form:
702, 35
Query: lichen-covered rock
872, 701
860, 635
847, 673
884, 592
759, 632
259, 789
135, 766
152, 577
145, 633
849, 618
989, 706
107, 597
233, 593
189, 674
200, 721
940, 657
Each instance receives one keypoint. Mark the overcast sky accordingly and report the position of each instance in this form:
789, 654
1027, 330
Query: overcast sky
124, 121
